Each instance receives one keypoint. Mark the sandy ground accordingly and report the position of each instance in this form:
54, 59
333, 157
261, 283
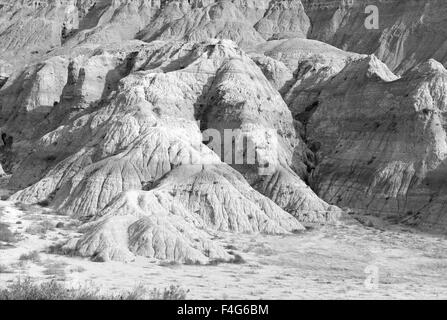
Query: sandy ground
331, 262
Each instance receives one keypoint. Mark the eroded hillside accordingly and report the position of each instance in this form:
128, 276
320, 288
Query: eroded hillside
104, 106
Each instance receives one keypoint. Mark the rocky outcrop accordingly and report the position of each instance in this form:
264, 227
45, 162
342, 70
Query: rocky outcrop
169, 222
410, 32
284, 19
377, 139
28, 29
127, 125
220, 20
300, 68
382, 141
118, 113
31, 30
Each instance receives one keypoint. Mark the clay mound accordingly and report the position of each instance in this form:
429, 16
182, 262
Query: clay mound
287, 190
169, 222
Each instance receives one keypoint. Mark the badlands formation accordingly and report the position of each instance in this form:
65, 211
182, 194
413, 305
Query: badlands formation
103, 106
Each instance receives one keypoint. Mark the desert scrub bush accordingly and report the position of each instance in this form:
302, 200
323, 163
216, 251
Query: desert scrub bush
172, 293
7, 235
27, 289
61, 250
168, 263
40, 228
236, 259
33, 256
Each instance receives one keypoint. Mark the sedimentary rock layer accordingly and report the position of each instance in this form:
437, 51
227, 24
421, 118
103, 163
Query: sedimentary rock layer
126, 124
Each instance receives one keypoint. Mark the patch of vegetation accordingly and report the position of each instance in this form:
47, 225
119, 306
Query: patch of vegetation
61, 250
44, 203
236, 259
172, 293
27, 289
33, 256
40, 228
230, 247
168, 264
7, 235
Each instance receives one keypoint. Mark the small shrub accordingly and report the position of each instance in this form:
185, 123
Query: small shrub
56, 269
60, 249
137, 293
40, 228
236, 259
44, 203
6, 235
33, 256
168, 264
173, 293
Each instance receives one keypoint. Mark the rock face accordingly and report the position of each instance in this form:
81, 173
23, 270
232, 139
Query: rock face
378, 139
389, 138
161, 123
284, 19
121, 146
410, 32
220, 20
32, 29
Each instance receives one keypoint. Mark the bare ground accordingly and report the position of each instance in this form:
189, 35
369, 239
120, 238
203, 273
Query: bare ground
324, 263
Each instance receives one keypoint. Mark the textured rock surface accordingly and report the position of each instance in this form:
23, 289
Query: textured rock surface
383, 141
410, 32
103, 105
168, 223
284, 19
378, 140
300, 68
124, 122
